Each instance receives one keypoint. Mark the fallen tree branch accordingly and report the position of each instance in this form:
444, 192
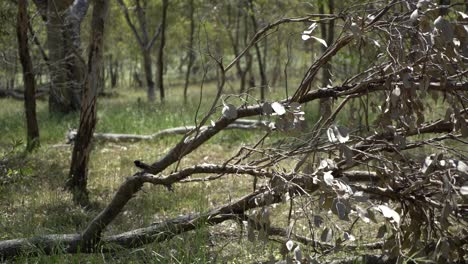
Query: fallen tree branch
19, 95
242, 124
69, 243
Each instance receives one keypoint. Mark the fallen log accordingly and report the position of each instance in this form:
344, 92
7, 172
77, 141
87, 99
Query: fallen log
242, 124
19, 95
72, 243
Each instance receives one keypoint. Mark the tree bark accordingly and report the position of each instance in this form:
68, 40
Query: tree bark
327, 35
148, 67
160, 62
261, 67
79, 165
65, 64
113, 71
190, 52
28, 77
144, 42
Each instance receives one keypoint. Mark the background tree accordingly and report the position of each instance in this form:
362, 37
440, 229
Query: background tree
162, 44
78, 178
190, 48
66, 66
327, 32
28, 76
144, 41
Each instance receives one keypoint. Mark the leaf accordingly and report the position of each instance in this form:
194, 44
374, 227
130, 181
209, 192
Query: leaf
464, 190
355, 29
423, 4
298, 254
343, 134
328, 178
462, 167
326, 235
363, 215
289, 245
347, 153
389, 213
229, 111
444, 28
278, 108
337, 134
341, 210
310, 29
294, 106
331, 135
305, 37
349, 237
323, 42
414, 15
361, 197
318, 220
463, 15
267, 109
395, 95
382, 231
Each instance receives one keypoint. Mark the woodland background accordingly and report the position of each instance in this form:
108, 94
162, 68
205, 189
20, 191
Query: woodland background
250, 131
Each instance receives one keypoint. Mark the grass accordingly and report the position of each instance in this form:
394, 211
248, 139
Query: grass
33, 201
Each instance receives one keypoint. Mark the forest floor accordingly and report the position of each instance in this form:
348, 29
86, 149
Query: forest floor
33, 201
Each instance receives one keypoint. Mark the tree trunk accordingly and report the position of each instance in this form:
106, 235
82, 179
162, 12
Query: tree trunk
160, 62
66, 67
327, 35
147, 65
28, 77
190, 53
76, 67
81, 151
261, 68
113, 71
65, 64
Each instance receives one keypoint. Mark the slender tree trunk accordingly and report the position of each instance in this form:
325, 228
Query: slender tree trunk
78, 177
190, 53
65, 64
76, 67
59, 98
160, 62
143, 40
148, 65
261, 68
327, 35
113, 71
28, 77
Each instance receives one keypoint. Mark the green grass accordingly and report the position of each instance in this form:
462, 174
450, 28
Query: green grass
33, 201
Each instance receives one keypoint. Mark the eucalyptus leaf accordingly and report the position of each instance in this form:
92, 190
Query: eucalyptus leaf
229, 111
389, 213
278, 108
381, 232
289, 245
298, 254
326, 235
464, 190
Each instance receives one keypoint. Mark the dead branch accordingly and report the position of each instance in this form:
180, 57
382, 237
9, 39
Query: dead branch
19, 95
241, 124
70, 243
